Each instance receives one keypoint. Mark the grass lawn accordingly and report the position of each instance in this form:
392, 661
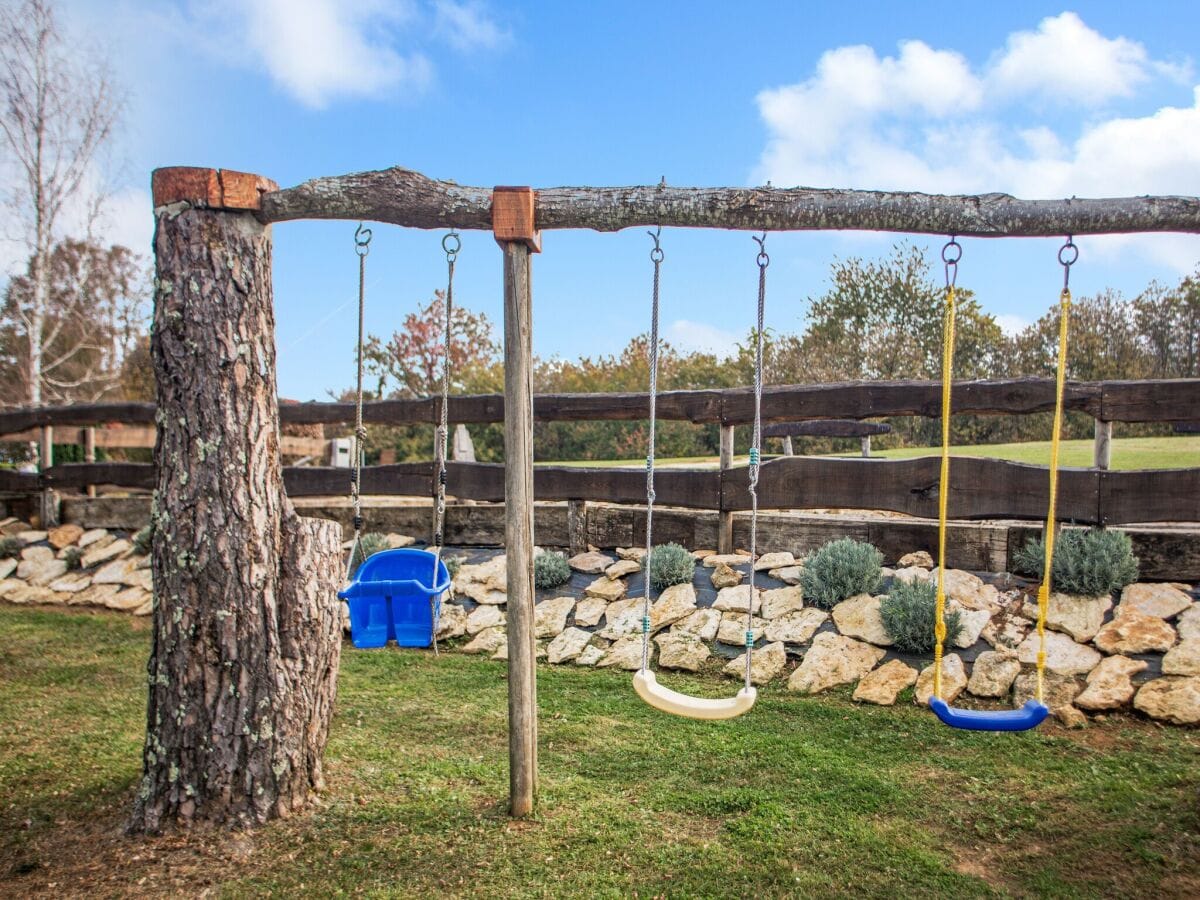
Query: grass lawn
803, 796
1127, 453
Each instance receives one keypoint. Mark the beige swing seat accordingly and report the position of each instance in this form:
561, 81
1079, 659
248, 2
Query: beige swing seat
677, 704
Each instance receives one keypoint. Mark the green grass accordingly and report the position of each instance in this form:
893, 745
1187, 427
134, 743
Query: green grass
802, 796
1127, 453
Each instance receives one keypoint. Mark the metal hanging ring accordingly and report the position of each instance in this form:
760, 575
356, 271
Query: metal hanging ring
762, 259
656, 255
1068, 253
452, 243
951, 254
362, 239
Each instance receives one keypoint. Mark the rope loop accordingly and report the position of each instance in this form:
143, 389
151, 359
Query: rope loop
451, 243
762, 259
362, 239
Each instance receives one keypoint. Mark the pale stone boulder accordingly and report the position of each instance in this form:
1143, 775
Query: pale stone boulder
98, 594
590, 563
30, 537
482, 617
1063, 655
115, 572
733, 628
452, 621
93, 536
736, 599
797, 626
1006, 629
606, 589
487, 641
623, 567
1080, 617
592, 653
971, 624
725, 577
954, 680
1160, 600
483, 582
770, 561
911, 574
918, 558
550, 616
1188, 624
703, 624
859, 617
1135, 632
833, 659
766, 663
71, 583
589, 611
146, 608
396, 541
883, 685
127, 600
32, 557
1109, 685
701, 555
675, 603
622, 618
729, 559
777, 602
788, 574
10, 586
637, 554
481, 593
567, 645
1183, 658
1173, 699
31, 593
104, 552
1060, 691
624, 654
680, 650
993, 673
64, 536
7, 567
46, 572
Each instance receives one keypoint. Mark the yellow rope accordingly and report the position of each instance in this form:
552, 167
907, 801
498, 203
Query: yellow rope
944, 488
1044, 590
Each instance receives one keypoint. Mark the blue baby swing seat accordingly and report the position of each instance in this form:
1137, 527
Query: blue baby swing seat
391, 598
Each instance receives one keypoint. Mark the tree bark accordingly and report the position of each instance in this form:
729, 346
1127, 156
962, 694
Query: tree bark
243, 668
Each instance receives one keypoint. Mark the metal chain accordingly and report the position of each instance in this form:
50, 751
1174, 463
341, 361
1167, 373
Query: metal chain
451, 244
763, 261
362, 246
656, 256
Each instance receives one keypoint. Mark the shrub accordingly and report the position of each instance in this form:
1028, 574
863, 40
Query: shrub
669, 564
1089, 562
368, 545
908, 614
9, 546
453, 564
550, 570
73, 557
142, 540
839, 570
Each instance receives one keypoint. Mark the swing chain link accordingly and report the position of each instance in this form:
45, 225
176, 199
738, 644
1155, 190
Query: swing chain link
762, 260
656, 256
951, 254
362, 246
1068, 255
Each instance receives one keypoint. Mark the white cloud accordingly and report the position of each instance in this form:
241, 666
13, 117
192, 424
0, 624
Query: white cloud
700, 337
1011, 324
925, 121
468, 26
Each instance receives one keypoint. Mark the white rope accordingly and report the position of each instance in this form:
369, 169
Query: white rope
656, 255
451, 243
756, 439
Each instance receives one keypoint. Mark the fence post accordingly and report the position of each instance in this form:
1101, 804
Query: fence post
788, 450
577, 536
866, 446
47, 497
1102, 447
89, 452
513, 227
725, 517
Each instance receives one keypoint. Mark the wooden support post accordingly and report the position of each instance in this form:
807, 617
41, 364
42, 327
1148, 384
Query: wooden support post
788, 450
512, 220
1102, 448
725, 517
89, 452
48, 497
866, 446
577, 526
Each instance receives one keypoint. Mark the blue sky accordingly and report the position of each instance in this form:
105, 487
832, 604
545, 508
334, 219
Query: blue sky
1033, 99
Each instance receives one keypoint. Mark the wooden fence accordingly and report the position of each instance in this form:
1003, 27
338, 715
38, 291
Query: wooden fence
981, 488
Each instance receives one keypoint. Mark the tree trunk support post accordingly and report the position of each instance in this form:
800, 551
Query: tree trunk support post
513, 227
866, 446
788, 449
89, 452
1102, 447
247, 627
725, 517
48, 497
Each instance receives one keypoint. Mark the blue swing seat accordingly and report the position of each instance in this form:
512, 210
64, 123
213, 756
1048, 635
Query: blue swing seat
391, 598
1028, 716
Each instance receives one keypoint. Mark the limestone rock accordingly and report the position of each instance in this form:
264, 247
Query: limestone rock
993, 673
30, 537
622, 618
972, 622
592, 653
127, 600
729, 559
774, 561
146, 608
484, 617
703, 624
64, 536
970, 590
1172, 699
701, 555
589, 610
11, 585
733, 628
35, 556
623, 567
679, 650
774, 603
567, 645
487, 641
1060, 691
637, 554
590, 563
104, 553
1109, 685
142, 578
7, 567
832, 660
44, 573
1006, 629
1161, 600
1183, 658
96, 595
93, 536
452, 622
911, 574
395, 541
550, 616
919, 558
1080, 617
1063, 655
766, 663
115, 572
788, 574
725, 577
797, 626
32, 593
606, 589
71, 583
1188, 624
858, 617
675, 603
1135, 632
883, 685
736, 599
624, 654
954, 680
481, 593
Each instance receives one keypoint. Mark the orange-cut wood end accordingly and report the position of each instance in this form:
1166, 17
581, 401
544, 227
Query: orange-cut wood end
242, 190
512, 216
209, 188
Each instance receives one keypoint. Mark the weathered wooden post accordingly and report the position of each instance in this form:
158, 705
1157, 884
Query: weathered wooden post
89, 452
577, 526
247, 629
866, 446
513, 226
1102, 446
725, 516
48, 497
